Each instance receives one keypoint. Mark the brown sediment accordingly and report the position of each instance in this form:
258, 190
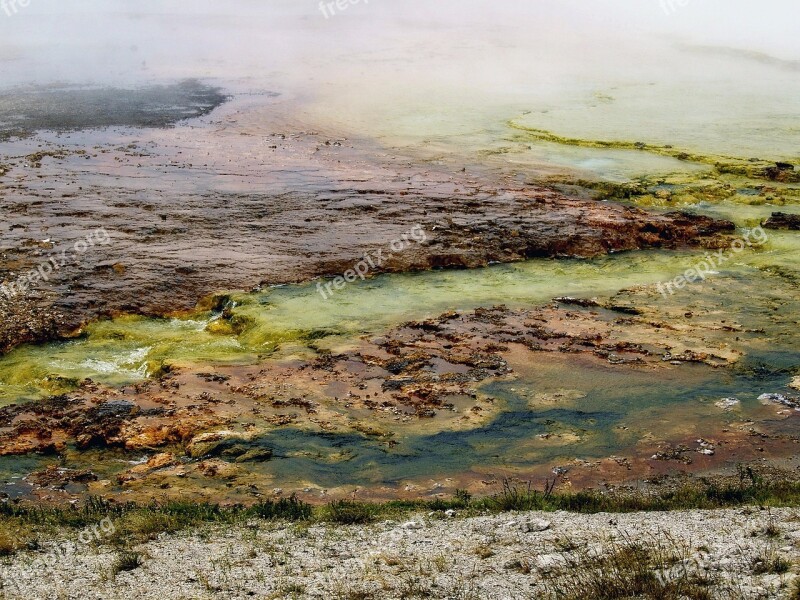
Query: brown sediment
254, 198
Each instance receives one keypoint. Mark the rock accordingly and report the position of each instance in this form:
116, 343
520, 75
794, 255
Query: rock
396, 383
535, 525
584, 302
212, 442
450, 513
116, 408
779, 399
159, 461
255, 455
782, 172
795, 384
412, 525
726, 403
216, 468
56, 477
780, 220
153, 436
549, 562
154, 463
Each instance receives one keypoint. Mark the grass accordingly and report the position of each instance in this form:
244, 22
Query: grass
770, 562
794, 591
20, 521
126, 561
347, 512
139, 522
772, 530
291, 590
14, 536
630, 570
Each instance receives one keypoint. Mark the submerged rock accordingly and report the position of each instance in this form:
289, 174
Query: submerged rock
59, 478
227, 445
253, 455
726, 403
779, 399
211, 443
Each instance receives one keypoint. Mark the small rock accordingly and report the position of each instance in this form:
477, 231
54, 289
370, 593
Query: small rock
535, 525
726, 403
547, 562
116, 408
450, 513
779, 399
255, 455
412, 525
207, 443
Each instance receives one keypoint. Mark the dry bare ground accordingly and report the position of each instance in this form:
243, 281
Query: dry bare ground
740, 553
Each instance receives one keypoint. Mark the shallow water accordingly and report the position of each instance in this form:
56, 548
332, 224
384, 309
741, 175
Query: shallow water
585, 408
126, 349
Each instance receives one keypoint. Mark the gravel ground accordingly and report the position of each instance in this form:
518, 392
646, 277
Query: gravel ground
514, 555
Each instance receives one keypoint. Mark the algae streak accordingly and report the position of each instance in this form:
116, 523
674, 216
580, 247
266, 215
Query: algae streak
730, 179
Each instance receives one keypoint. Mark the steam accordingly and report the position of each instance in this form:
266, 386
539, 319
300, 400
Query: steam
261, 41
413, 65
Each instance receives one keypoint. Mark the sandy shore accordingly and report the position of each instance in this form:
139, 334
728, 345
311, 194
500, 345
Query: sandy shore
728, 553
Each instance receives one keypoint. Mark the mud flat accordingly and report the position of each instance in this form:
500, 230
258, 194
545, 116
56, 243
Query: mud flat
251, 196
26, 110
